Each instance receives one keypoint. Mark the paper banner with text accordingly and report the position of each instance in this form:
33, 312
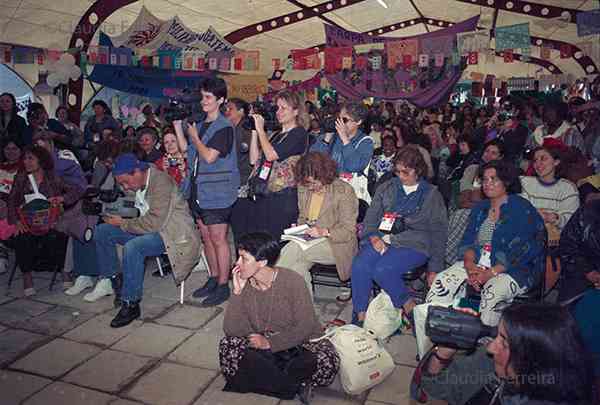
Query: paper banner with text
246, 87
513, 37
588, 22
474, 41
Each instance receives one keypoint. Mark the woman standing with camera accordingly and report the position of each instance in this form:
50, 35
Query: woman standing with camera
405, 227
276, 210
212, 186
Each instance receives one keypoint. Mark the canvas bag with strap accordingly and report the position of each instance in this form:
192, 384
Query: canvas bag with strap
364, 361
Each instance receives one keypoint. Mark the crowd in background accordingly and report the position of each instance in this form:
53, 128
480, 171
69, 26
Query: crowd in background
383, 189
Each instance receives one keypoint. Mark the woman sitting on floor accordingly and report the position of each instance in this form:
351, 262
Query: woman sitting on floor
268, 323
329, 206
405, 227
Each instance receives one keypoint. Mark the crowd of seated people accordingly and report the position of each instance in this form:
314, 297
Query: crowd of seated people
476, 195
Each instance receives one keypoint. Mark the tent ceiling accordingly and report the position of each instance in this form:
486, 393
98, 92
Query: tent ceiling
49, 23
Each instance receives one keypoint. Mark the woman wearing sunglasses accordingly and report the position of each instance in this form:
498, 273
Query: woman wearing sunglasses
405, 227
503, 252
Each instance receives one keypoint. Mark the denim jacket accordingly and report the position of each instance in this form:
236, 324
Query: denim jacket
351, 158
518, 242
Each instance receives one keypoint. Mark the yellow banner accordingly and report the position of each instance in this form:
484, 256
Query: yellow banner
246, 87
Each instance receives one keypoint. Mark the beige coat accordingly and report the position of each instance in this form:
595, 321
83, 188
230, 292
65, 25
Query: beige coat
169, 215
338, 214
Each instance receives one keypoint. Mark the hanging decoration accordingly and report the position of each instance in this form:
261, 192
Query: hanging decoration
473, 41
513, 37
588, 23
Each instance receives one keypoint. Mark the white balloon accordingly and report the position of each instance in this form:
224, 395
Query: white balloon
53, 80
67, 59
74, 72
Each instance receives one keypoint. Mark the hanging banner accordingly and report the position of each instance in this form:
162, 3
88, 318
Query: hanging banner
397, 49
588, 23
423, 87
474, 41
513, 36
150, 32
545, 53
246, 87
438, 45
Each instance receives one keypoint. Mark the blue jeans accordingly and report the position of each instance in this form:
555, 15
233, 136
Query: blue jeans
135, 250
369, 266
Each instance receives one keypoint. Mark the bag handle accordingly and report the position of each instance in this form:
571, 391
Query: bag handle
33, 183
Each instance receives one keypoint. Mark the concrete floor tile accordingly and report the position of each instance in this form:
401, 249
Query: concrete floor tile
15, 387
4, 298
55, 322
201, 350
403, 349
22, 309
109, 371
395, 388
154, 307
97, 330
121, 401
61, 393
56, 357
58, 297
214, 395
215, 325
152, 340
187, 316
171, 384
14, 343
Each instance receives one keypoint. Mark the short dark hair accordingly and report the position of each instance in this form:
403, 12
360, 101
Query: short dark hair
316, 165
240, 105
498, 144
261, 245
147, 130
108, 149
104, 106
34, 109
216, 86
547, 353
10, 139
43, 156
13, 100
357, 111
506, 172
60, 107
556, 154
411, 157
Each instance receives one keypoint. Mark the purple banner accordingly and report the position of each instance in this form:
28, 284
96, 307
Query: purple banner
423, 86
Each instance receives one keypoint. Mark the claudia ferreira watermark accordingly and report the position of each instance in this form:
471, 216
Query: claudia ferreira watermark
72, 27
481, 379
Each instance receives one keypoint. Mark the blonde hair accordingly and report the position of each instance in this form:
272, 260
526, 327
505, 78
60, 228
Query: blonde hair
295, 101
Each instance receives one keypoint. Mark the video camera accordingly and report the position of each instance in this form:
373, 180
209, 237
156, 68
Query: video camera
108, 202
185, 106
267, 111
451, 328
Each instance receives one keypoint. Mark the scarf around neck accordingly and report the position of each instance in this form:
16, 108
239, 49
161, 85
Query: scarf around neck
409, 204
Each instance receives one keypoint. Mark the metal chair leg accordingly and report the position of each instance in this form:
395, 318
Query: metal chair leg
57, 269
181, 291
160, 269
12, 265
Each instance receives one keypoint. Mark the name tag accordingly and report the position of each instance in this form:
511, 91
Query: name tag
476, 183
387, 222
485, 260
347, 177
265, 170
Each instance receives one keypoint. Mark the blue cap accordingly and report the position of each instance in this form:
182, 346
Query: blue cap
127, 163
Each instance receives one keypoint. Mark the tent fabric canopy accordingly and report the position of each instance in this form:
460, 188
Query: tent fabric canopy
50, 23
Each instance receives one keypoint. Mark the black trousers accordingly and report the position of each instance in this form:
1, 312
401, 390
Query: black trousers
241, 218
31, 249
262, 372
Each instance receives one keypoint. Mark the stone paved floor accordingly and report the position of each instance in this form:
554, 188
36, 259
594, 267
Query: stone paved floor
56, 349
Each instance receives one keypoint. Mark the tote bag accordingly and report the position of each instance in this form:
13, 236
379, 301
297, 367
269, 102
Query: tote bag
364, 362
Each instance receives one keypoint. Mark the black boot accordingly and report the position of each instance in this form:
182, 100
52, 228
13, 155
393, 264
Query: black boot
129, 312
117, 285
207, 289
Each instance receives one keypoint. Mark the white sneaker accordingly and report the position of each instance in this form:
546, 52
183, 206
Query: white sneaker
81, 283
103, 288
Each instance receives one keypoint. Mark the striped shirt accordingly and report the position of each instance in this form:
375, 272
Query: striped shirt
560, 197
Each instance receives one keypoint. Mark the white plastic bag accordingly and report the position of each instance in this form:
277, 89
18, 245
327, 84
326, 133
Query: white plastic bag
364, 362
382, 318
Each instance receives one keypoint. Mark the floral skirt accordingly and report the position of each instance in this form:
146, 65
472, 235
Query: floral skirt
232, 350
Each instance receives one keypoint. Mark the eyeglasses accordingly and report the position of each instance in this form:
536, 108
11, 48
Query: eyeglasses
490, 180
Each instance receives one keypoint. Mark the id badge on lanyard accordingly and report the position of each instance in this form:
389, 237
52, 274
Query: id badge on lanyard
387, 222
347, 177
485, 259
265, 169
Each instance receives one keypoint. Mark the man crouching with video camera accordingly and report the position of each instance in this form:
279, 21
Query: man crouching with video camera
164, 225
536, 357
